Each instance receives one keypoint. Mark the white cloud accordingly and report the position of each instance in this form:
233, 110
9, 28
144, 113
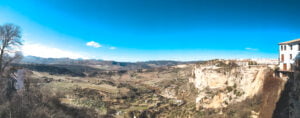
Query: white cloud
112, 48
251, 49
93, 44
49, 52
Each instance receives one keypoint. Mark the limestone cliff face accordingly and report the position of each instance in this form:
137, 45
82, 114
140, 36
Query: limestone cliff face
295, 96
288, 105
221, 86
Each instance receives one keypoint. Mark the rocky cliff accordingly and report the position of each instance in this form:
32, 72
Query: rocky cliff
225, 86
288, 105
220, 86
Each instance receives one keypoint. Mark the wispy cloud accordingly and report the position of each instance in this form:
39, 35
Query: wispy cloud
112, 48
49, 52
93, 44
251, 49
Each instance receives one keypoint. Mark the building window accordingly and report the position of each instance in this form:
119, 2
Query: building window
291, 47
282, 57
284, 66
285, 47
299, 47
282, 47
291, 56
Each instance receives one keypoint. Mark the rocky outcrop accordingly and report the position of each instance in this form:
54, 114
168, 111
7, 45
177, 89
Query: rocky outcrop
272, 90
295, 96
169, 92
288, 105
220, 86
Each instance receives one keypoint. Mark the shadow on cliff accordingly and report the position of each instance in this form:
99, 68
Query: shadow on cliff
282, 106
288, 103
270, 95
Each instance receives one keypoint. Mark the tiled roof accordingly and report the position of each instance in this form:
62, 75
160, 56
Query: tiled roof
289, 42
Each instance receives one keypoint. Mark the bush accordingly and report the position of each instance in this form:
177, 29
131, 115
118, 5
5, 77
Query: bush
34, 103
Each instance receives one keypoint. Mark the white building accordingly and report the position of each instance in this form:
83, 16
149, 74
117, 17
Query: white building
266, 61
287, 52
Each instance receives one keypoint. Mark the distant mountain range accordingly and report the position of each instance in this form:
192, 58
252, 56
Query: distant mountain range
100, 64
40, 60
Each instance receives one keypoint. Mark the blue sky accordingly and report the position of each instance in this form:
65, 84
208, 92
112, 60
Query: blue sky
141, 30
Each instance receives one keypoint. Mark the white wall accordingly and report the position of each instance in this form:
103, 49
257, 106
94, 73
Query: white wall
295, 51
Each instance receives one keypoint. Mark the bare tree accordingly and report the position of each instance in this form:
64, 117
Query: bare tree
10, 40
